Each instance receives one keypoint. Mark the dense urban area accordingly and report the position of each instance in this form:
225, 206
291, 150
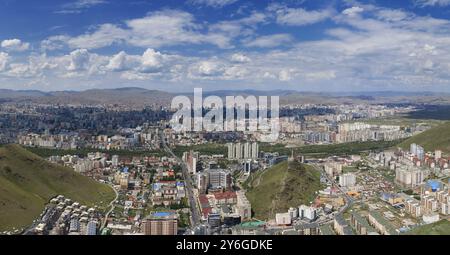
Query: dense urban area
335, 169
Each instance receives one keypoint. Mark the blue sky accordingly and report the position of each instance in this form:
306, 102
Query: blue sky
312, 45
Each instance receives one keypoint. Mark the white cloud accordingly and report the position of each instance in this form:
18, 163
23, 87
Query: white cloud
424, 3
240, 27
105, 35
301, 17
353, 11
79, 60
384, 48
269, 41
392, 15
3, 61
79, 6
15, 45
321, 75
213, 3
121, 62
207, 69
285, 75
160, 28
152, 61
235, 72
240, 58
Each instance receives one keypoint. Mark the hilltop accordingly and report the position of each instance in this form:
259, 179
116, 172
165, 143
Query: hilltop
28, 182
288, 184
436, 138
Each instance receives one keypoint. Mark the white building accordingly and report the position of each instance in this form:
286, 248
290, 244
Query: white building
410, 177
283, 219
307, 212
430, 218
243, 150
347, 180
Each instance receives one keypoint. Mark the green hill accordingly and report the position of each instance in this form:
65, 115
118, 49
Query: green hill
439, 228
288, 184
436, 138
28, 182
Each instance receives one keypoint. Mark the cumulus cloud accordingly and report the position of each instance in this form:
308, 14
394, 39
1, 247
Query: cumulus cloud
240, 58
121, 62
206, 69
285, 75
79, 60
152, 61
384, 48
15, 45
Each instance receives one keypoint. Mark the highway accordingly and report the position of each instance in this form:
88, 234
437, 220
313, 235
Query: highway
195, 213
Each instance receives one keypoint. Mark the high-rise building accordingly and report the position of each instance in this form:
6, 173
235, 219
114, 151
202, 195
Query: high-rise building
214, 220
307, 212
347, 180
417, 150
202, 182
247, 166
243, 150
115, 160
191, 159
161, 223
410, 177
219, 178
91, 229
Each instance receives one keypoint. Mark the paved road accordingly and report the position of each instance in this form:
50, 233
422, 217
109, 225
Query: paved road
348, 199
105, 220
195, 213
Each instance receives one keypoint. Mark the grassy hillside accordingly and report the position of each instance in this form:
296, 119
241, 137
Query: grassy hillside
435, 138
439, 228
288, 184
205, 149
28, 182
331, 149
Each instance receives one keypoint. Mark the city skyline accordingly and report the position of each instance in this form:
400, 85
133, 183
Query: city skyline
175, 46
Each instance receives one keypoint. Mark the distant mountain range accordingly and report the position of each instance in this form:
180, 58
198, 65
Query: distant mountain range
139, 97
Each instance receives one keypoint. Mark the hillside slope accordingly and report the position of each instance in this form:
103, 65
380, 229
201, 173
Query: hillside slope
438, 228
28, 182
436, 138
288, 184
